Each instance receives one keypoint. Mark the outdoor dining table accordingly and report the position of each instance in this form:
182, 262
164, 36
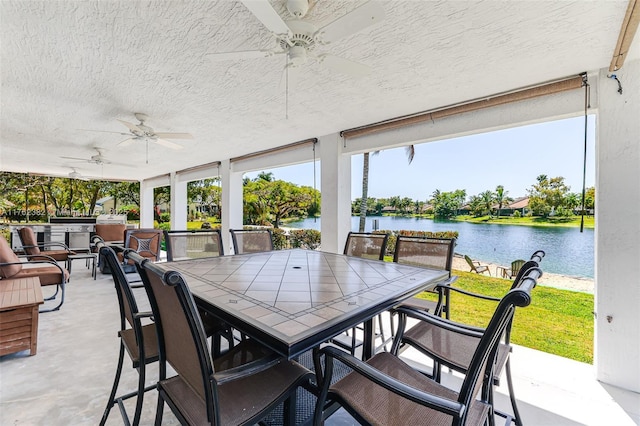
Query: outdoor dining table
293, 300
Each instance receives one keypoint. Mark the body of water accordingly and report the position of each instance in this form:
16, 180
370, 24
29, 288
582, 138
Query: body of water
568, 251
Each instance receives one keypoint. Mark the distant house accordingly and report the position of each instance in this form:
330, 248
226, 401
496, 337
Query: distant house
388, 209
105, 205
519, 204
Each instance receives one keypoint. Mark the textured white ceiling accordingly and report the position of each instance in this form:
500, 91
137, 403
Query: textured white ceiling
70, 67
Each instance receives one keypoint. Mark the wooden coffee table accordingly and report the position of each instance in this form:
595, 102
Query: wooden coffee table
19, 300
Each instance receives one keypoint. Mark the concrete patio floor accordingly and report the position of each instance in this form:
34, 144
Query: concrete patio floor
67, 382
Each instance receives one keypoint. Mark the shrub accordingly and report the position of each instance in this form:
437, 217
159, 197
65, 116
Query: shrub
132, 212
165, 226
279, 239
391, 242
305, 238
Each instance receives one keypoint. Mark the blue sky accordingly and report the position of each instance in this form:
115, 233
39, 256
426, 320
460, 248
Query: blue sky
512, 158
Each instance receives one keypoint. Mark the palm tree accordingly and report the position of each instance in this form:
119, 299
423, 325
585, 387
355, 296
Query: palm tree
365, 183
501, 197
487, 198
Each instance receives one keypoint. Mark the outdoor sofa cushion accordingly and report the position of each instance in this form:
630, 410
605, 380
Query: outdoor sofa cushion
8, 256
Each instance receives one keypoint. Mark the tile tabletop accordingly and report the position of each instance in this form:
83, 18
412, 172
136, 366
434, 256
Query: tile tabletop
295, 298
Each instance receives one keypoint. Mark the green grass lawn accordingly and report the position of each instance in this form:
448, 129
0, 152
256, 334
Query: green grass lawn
573, 221
557, 321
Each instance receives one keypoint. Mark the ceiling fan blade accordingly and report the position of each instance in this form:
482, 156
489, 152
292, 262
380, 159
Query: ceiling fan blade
240, 54
75, 158
265, 13
102, 131
366, 15
167, 143
126, 142
344, 66
131, 126
174, 135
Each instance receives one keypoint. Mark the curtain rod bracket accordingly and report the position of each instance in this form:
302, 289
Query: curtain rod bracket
615, 77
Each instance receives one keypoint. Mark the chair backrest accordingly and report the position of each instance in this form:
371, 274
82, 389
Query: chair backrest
126, 299
483, 358
434, 253
251, 240
516, 265
111, 231
29, 240
8, 256
145, 242
470, 262
181, 338
193, 244
366, 245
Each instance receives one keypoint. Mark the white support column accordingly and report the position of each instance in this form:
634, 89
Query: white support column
178, 202
336, 193
232, 193
617, 238
146, 204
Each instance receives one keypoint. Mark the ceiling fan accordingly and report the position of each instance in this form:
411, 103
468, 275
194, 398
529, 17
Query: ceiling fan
74, 174
98, 159
298, 39
143, 132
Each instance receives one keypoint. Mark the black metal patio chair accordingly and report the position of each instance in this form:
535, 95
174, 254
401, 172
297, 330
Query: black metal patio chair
386, 390
241, 387
450, 343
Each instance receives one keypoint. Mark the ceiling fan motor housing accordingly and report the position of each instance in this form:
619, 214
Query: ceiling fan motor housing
298, 8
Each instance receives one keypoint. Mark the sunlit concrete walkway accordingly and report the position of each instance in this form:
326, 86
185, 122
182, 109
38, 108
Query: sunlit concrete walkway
68, 381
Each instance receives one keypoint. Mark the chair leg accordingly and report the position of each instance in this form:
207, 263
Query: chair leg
141, 390
58, 287
159, 410
114, 388
512, 396
216, 345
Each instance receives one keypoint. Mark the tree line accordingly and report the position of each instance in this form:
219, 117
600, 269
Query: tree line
267, 201
547, 197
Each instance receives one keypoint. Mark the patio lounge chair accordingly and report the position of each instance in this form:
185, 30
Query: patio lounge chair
48, 271
240, 387
32, 247
476, 266
386, 390
451, 344
509, 273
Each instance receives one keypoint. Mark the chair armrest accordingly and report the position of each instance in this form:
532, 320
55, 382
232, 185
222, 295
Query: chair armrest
247, 369
49, 244
43, 257
51, 262
477, 295
146, 314
418, 396
456, 327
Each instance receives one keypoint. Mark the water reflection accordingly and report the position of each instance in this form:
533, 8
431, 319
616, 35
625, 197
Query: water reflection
568, 251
